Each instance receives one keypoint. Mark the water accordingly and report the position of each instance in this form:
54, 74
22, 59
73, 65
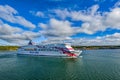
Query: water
93, 65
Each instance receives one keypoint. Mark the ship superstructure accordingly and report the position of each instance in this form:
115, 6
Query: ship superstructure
55, 49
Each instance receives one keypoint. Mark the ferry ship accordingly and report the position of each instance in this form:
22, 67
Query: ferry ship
56, 49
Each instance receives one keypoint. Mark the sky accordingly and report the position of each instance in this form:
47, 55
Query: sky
79, 22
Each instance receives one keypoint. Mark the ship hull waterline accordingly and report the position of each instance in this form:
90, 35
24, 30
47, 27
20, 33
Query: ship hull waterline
49, 54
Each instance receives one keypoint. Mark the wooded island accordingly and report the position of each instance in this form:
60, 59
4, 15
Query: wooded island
11, 48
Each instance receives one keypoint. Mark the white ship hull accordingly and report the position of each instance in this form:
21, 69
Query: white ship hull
49, 50
46, 53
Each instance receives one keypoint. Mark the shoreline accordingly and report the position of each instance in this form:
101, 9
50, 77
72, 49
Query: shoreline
95, 47
14, 48
8, 48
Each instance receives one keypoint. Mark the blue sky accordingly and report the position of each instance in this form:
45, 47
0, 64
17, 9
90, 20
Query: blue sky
81, 22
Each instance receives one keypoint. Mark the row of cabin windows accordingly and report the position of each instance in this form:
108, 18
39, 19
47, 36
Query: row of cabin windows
40, 50
47, 50
29, 49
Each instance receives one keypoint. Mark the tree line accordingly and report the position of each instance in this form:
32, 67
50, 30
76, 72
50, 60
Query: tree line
75, 47
9, 47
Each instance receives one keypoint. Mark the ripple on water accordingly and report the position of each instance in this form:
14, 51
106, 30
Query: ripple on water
93, 65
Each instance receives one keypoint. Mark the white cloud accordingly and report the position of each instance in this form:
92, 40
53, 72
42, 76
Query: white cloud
117, 4
113, 36
113, 39
6, 29
92, 22
26, 35
92, 19
15, 35
20, 38
56, 28
10, 14
57, 40
42, 25
113, 18
93, 10
38, 13
7, 9
61, 13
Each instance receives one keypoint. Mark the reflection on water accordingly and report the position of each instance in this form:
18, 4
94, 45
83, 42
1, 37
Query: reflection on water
93, 65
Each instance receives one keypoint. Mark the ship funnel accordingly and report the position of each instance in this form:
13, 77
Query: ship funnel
30, 42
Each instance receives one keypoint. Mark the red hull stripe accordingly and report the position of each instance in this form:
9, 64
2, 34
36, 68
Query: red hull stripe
70, 54
70, 49
67, 52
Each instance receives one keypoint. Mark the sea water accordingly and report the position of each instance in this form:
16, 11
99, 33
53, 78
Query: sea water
93, 65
